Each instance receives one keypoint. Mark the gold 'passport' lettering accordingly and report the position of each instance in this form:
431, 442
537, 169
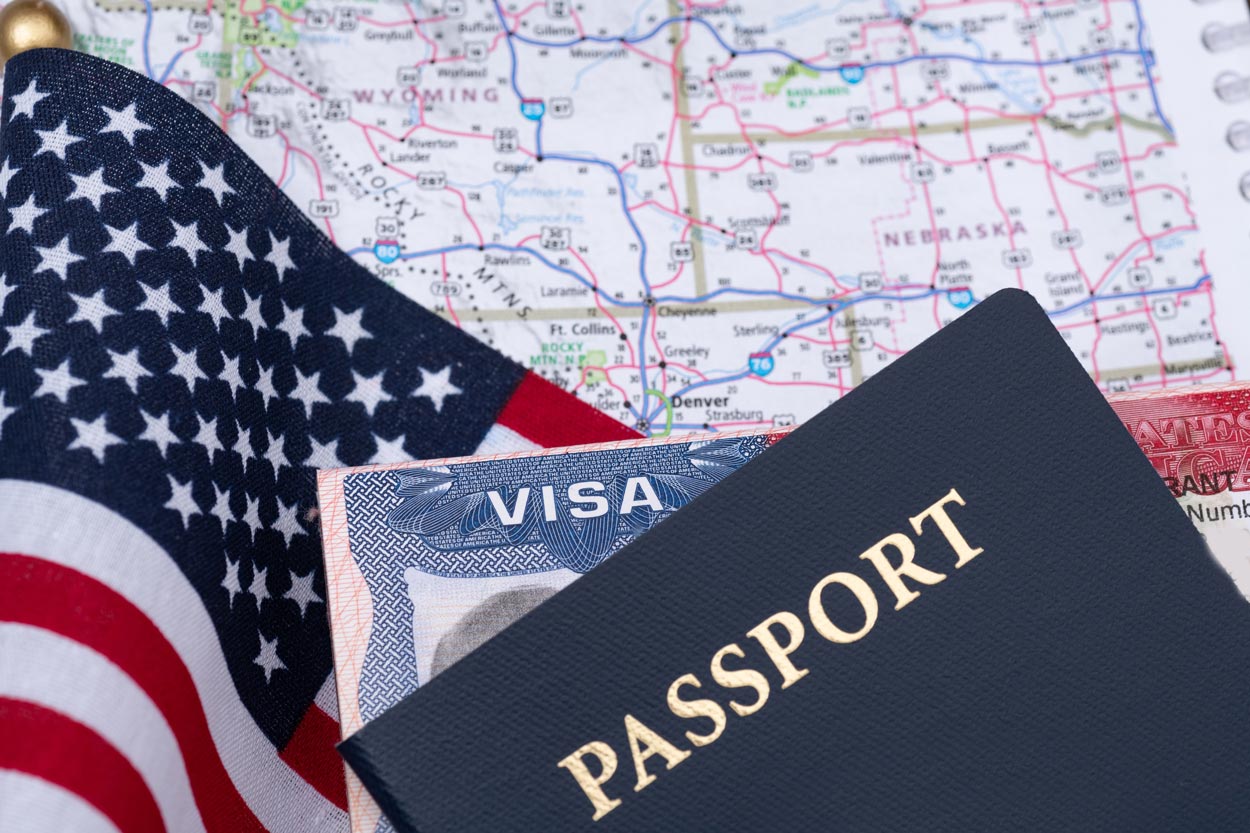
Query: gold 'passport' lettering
780, 636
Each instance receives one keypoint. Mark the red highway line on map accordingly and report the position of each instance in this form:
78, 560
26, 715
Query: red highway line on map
764, 160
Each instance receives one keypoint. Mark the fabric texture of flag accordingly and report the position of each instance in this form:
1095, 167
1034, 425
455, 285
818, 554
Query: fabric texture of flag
178, 347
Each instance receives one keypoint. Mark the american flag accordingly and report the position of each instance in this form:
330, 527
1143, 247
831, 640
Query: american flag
179, 346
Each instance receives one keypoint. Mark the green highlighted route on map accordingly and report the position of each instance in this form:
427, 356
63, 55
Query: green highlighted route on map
798, 94
668, 413
795, 69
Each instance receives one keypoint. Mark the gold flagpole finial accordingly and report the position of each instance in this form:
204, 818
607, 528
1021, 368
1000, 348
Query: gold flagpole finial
31, 24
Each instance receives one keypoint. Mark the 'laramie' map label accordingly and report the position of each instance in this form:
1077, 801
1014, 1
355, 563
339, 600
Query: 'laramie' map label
812, 162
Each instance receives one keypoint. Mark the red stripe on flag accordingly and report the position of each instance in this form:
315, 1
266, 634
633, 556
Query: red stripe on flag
62, 600
62, 751
550, 416
311, 753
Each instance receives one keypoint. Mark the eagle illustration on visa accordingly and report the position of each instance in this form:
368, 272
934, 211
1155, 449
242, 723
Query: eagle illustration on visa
952, 644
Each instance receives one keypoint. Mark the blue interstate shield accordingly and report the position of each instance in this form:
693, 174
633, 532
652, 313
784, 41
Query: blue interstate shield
761, 364
533, 108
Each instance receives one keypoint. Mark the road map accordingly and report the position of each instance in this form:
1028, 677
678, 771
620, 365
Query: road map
719, 215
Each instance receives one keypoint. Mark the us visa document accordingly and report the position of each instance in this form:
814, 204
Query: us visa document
1198, 440
427, 560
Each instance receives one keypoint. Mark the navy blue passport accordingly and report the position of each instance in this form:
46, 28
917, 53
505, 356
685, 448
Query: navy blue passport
959, 599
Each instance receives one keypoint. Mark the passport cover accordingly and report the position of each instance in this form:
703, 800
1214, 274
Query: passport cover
958, 599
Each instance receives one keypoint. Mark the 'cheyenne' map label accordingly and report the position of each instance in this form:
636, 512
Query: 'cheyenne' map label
648, 176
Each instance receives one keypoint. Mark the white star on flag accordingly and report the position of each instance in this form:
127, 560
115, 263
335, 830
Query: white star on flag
124, 121
188, 239
268, 658
91, 187
308, 391
187, 366
301, 591
221, 507
206, 438
25, 101
158, 431
214, 180
252, 313
251, 517
231, 580
57, 258
22, 217
56, 141
368, 391
215, 308
259, 587
347, 326
93, 309
436, 386
389, 451
127, 367
126, 242
57, 381
288, 524
157, 300
243, 446
181, 500
93, 436
323, 455
292, 324
275, 453
280, 255
157, 178
264, 385
237, 246
231, 373
22, 336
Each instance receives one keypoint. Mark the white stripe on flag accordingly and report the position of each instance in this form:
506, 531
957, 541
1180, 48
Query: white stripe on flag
43, 667
327, 698
502, 440
32, 805
116, 553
